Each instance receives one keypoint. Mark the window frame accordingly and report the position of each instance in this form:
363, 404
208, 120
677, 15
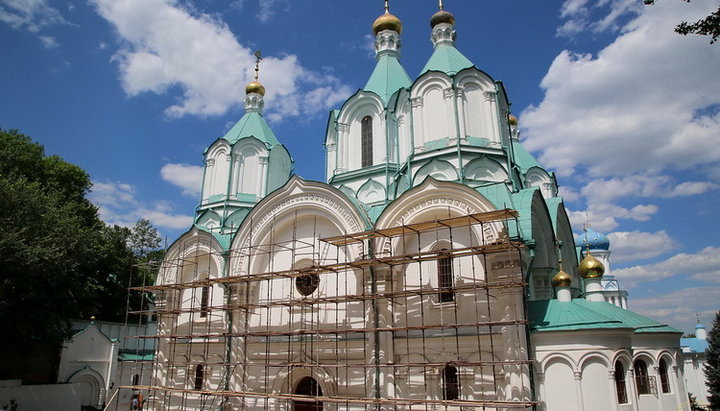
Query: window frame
664, 380
204, 301
642, 379
620, 383
450, 383
366, 141
445, 277
199, 377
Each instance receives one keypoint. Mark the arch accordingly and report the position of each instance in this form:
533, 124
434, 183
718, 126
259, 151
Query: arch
430, 116
371, 192
538, 177
217, 170
248, 170
195, 242
89, 386
484, 169
477, 105
437, 169
558, 357
308, 386
663, 367
594, 356
199, 380
209, 219
359, 106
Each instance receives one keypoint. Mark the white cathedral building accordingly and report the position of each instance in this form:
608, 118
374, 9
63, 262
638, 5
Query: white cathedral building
435, 268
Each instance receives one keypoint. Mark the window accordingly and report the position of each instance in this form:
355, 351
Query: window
366, 141
664, 381
136, 379
620, 383
199, 376
451, 385
641, 377
204, 299
307, 284
445, 276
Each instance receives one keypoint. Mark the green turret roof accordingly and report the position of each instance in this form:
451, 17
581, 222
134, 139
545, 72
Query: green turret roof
388, 77
523, 158
252, 125
579, 314
448, 59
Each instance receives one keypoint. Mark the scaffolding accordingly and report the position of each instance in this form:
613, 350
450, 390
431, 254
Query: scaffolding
418, 316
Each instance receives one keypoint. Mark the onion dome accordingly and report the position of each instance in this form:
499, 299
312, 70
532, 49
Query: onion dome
387, 22
255, 87
512, 120
561, 279
590, 267
593, 240
442, 16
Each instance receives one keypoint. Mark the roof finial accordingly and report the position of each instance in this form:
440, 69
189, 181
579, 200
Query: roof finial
698, 317
440, 4
258, 58
387, 7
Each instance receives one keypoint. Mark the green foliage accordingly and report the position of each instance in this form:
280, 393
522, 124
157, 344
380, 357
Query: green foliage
709, 26
58, 260
712, 367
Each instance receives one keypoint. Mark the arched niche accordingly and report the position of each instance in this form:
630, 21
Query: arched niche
437, 169
217, 170
249, 161
559, 375
432, 112
537, 177
356, 108
484, 169
477, 106
209, 219
371, 192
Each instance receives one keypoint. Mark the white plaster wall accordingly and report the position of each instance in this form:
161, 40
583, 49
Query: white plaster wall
560, 392
54, 397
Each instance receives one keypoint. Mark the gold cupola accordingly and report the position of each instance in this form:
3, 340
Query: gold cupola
561, 279
387, 22
512, 120
442, 16
590, 267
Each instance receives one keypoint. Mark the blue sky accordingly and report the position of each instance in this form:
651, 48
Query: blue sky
624, 110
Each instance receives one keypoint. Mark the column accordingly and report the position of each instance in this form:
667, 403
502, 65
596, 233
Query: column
611, 377
578, 391
658, 388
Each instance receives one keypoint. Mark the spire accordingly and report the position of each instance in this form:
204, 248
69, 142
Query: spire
255, 91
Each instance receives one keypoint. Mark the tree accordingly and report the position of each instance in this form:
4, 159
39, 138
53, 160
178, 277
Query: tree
58, 260
709, 26
712, 367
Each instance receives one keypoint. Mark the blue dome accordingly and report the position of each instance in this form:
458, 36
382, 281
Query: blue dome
593, 240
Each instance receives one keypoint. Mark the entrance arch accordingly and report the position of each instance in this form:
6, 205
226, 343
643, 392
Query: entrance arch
310, 387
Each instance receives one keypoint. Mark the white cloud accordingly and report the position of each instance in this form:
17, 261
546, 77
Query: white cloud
646, 103
661, 186
33, 16
604, 216
164, 44
636, 245
678, 307
268, 8
579, 15
702, 266
185, 176
117, 204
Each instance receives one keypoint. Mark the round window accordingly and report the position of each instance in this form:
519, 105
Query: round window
307, 284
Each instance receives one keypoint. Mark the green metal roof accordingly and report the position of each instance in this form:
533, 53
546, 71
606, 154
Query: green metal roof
523, 158
448, 59
522, 202
251, 125
388, 77
553, 204
580, 314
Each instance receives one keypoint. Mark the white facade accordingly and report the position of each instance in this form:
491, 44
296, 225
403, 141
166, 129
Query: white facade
404, 280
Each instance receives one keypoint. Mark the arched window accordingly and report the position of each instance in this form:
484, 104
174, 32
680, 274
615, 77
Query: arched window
136, 379
445, 276
366, 141
204, 300
451, 385
642, 382
199, 377
664, 381
620, 383
308, 386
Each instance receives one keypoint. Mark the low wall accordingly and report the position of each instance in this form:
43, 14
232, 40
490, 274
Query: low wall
51, 397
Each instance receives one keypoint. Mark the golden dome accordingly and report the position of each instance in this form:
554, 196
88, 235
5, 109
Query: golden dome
387, 22
512, 120
590, 267
255, 87
442, 16
561, 279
